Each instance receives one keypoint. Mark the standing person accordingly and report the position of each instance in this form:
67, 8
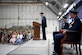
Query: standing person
44, 25
73, 26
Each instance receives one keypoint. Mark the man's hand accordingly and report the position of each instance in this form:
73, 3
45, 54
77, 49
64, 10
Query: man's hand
64, 30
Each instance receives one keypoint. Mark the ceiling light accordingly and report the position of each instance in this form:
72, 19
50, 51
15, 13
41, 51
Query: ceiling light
65, 6
74, 4
46, 3
57, 16
59, 13
71, 6
66, 11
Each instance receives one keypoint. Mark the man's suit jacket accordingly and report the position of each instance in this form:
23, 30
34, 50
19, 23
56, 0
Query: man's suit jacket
75, 25
44, 24
65, 25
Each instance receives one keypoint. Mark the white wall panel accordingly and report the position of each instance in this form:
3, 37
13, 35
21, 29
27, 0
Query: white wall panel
27, 14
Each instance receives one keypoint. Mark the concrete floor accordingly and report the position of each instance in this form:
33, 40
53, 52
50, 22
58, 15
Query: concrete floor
33, 47
5, 49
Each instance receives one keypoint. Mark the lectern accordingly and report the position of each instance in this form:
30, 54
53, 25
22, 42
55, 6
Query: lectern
36, 31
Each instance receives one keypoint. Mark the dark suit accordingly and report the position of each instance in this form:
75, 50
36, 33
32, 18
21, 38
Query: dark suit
74, 26
44, 25
65, 25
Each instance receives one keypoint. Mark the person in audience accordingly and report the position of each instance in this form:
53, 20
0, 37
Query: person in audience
26, 31
19, 38
9, 36
13, 38
4, 36
24, 36
29, 35
0, 34
74, 26
44, 25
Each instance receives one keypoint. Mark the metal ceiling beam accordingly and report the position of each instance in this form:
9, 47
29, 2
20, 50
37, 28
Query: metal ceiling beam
53, 9
58, 3
20, 2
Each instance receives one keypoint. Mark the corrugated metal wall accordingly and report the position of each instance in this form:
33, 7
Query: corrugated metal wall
27, 14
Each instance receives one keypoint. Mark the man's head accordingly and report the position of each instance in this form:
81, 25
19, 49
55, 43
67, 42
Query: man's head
41, 13
64, 19
73, 13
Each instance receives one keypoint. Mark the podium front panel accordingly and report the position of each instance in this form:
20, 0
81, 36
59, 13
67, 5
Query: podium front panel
36, 33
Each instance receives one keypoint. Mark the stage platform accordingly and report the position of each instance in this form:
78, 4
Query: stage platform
33, 47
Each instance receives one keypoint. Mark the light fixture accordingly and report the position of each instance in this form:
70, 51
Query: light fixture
59, 13
74, 4
71, 6
66, 11
65, 6
57, 16
46, 3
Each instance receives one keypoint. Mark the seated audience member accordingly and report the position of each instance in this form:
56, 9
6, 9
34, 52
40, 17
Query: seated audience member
26, 32
4, 36
19, 38
13, 38
74, 26
0, 35
24, 36
9, 36
29, 35
65, 25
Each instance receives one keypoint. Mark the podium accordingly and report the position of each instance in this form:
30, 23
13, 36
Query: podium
36, 31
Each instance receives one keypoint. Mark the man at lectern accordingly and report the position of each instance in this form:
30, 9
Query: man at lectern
44, 25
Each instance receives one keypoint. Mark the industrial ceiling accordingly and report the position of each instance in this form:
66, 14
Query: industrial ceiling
55, 6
